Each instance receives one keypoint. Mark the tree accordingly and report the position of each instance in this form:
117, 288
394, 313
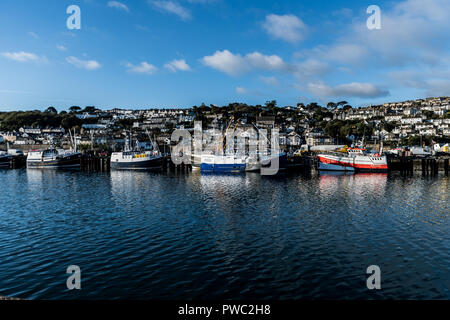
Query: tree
341, 103
333, 128
51, 110
313, 106
413, 140
90, 109
331, 105
347, 107
69, 121
388, 126
74, 109
271, 104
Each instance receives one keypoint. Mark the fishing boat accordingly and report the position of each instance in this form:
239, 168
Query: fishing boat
356, 159
5, 159
53, 158
253, 163
222, 164
136, 158
274, 163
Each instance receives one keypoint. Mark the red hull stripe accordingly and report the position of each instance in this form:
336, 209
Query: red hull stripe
354, 165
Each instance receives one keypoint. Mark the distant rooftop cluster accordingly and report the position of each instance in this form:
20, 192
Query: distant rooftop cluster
310, 124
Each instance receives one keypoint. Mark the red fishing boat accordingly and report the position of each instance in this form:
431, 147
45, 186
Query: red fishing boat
356, 159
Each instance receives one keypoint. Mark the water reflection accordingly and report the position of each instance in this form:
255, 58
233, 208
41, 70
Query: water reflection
146, 235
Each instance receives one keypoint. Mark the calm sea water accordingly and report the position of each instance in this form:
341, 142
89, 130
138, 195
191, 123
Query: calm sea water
139, 235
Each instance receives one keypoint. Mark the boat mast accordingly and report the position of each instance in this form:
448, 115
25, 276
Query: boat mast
154, 143
127, 142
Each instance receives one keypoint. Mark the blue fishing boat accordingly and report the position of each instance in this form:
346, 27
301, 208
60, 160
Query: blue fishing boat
222, 164
269, 165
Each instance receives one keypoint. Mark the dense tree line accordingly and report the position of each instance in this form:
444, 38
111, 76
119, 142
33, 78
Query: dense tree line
50, 118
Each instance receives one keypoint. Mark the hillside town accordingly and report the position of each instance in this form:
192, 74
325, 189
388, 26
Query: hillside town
423, 122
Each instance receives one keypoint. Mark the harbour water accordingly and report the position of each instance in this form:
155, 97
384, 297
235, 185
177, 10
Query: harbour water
143, 235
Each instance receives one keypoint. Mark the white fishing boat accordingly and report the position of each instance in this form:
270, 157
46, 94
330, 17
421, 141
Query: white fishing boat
136, 158
53, 158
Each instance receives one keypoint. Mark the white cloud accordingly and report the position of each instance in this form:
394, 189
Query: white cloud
235, 64
437, 87
411, 47
349, 90
343, 13
118, 5
311, 68
142, 28
263, 62
270, 80
83, 64
347, 53
412, 32
60, 47
172, 7
286, 27
33, 34
21, 56
143, 67
241, 90
431, 81
226, 61
202, 1
177, 65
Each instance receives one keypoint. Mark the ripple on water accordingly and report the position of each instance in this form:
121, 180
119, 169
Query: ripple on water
140, 235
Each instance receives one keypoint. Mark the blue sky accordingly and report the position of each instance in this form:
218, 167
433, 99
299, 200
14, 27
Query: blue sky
180, 53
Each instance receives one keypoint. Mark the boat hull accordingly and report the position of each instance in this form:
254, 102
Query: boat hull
334, 167
266, 164
357, 164
222, 164
253, 167
5, 161
222, 168
73, 161
145, 164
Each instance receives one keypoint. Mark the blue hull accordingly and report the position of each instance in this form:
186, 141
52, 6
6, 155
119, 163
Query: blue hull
222, 168
282, 162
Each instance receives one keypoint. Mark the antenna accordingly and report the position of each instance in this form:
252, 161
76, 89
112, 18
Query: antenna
71, 138
154, 143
